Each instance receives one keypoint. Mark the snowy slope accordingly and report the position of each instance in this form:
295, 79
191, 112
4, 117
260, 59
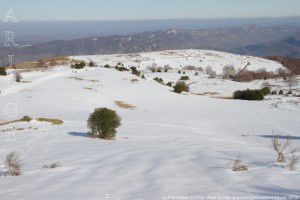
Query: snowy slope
170, 144
181, 58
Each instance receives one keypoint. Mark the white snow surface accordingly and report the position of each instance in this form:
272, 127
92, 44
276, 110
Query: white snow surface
181, 58
170, 146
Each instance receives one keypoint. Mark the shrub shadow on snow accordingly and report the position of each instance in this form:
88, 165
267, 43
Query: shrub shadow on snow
79, 134
281, 137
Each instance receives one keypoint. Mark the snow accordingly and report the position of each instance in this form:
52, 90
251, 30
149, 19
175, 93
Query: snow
181, 58
171, 144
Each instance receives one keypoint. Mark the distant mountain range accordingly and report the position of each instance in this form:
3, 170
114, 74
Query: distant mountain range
250, 40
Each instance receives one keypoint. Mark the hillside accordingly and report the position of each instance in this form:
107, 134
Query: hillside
241, 40
169, 144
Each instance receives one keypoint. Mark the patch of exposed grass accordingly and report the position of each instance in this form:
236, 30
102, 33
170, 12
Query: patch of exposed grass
76, 78
94, 81
17, 129
134, 80
52, 121
23, 119
121, 104
89, 88
219, 97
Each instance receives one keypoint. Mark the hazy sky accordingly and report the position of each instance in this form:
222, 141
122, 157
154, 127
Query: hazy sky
147, 9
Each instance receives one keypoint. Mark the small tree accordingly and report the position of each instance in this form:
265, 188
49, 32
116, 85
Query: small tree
180, 87
3, 71
103, 123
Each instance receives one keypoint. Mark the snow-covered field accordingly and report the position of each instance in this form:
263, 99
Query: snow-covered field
170, 146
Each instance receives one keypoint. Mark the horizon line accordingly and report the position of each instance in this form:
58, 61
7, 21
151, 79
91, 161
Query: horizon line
162, 19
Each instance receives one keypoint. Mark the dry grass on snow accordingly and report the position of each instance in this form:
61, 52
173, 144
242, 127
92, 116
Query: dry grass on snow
52, 121
123, 105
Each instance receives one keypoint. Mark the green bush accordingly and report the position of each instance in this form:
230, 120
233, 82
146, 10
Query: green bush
80, 65
196, 74
184, 78
179, 72
266, 91
135, 71
106, 66
274, 92
121, 68
159, 80
103, 123
91, 64
143, 76
280, 92
26, 119
251, 95
169, 84
180, 87
3, 71
133, 68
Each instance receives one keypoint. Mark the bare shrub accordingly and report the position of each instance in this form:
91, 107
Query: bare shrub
238, 166
248, 76
282, 72
166, 68
52, 165
210, 72
228, 71
292, 64
18, 77
291, 82
13, 164
293, 160
154, 67
280, 146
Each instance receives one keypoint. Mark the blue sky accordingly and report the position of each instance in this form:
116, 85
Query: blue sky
147, 9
